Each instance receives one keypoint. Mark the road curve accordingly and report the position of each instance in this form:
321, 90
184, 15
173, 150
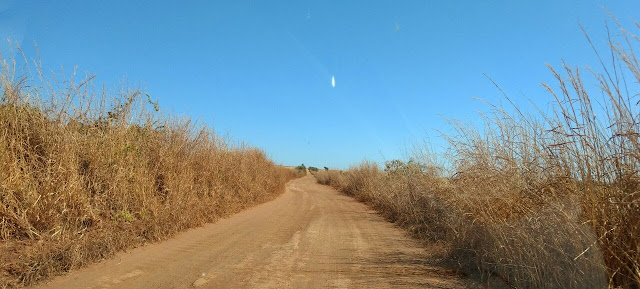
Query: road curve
310, 237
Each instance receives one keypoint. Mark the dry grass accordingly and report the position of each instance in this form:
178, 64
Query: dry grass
545, 200
88, 172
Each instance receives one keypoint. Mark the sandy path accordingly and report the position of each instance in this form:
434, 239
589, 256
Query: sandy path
310, 237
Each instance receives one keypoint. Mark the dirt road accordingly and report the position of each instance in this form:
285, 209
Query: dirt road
310, 237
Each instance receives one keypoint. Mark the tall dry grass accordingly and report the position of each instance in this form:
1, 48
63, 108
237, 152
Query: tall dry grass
87, 172
549, 199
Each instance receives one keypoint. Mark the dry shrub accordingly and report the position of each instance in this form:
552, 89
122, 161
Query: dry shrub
408, 194
332, 178
85, 173
545, 200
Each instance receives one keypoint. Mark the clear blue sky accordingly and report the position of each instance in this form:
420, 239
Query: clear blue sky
261, 70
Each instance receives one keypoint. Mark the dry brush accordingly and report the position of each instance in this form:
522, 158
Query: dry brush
87, 172
549, 199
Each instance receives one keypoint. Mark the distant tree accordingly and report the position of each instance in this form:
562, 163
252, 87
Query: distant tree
301, 167
313, 169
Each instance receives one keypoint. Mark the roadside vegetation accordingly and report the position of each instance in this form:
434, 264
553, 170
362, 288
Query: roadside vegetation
301, 169
87, 172
549, 199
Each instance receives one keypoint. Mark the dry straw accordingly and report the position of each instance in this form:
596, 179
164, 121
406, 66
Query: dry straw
541, 200
87, 172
